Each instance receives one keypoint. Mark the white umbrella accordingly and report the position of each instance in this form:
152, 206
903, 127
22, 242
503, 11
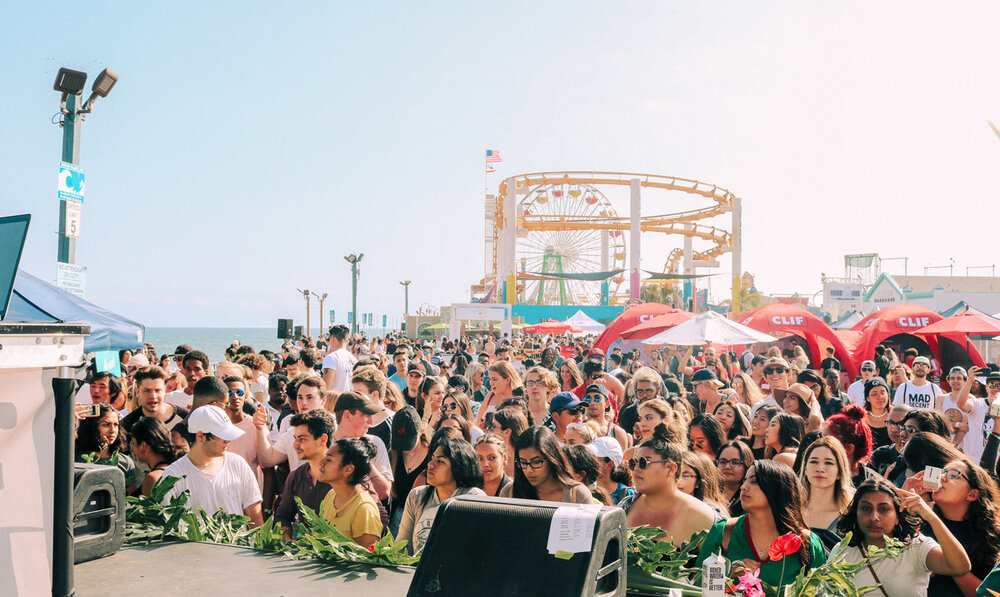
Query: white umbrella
586, 323
709, 327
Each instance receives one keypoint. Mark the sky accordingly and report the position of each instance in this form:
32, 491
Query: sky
249, 147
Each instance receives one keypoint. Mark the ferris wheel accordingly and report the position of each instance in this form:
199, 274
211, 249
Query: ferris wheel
568, 250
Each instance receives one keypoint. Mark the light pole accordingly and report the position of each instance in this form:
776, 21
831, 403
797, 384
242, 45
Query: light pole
353, 260
70, 83
320, 299
406, 296
305, 295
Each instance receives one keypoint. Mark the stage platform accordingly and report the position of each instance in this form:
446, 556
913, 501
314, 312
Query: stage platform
192, 568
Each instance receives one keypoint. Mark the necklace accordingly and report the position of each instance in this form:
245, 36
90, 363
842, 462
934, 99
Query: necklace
881, 416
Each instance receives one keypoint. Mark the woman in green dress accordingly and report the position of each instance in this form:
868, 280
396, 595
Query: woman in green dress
771, 498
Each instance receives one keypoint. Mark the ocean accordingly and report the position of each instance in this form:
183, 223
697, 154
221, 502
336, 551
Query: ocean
212, 341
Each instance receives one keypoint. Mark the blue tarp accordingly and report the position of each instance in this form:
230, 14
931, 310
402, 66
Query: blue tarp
37, 301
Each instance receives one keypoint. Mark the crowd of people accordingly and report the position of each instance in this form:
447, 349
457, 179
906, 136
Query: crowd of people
376, 433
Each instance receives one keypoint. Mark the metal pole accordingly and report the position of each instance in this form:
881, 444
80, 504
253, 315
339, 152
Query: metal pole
354, 296
70, 153
64, 389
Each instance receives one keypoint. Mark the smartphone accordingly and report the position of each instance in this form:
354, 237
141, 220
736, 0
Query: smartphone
932, 477
92, 410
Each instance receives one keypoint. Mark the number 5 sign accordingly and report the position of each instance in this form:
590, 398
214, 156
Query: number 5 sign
72, 223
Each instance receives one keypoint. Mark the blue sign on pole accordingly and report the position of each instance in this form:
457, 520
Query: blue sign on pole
383, 320
350, 317
71, 181
332, 318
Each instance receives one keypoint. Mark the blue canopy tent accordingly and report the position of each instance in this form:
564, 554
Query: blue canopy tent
37, 301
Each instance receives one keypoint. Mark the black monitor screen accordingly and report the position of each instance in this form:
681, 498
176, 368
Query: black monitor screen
13, 231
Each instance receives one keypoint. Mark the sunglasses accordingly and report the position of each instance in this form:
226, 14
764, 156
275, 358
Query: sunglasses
867, 369
450, 406
576, 410
595, 376
236, 393
774, 370
993, 384
595, 399
642, 462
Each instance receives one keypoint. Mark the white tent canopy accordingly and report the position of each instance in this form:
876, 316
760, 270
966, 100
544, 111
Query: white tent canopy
586, 323
848, 322
709, 327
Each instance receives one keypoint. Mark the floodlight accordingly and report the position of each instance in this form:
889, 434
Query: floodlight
70, 81
102, 87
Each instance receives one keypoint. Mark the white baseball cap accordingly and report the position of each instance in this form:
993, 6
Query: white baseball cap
607, 447
214, 420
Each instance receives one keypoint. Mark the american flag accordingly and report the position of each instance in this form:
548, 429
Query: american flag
492, 156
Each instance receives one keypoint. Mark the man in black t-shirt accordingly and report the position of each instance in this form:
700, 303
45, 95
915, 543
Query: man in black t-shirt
830, 362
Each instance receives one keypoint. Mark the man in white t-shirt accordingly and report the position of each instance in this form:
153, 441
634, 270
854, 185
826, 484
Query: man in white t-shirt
338, 364
856, 391
977, 409
216, 479
919, 392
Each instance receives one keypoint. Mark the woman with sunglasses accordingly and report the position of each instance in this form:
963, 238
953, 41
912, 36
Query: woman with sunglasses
595, 399
542, 472
540, 385
705, 435
735, 459
699, 478
968, 503
732, 419
493, 455
581, 434
770, 496
919, 425
782, 438
879, 510
827, 487
453, 469
659, 503
458, 403
747, 390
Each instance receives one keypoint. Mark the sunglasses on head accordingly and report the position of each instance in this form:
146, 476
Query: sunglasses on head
642, 462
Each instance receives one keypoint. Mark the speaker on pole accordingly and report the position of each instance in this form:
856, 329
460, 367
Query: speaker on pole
298, 331
284, 328
493, 547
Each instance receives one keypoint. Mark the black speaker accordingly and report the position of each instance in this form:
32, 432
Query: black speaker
492, 547
98, 511
298, 331
284, 328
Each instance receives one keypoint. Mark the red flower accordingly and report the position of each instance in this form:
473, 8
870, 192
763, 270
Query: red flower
784, 545
371, 548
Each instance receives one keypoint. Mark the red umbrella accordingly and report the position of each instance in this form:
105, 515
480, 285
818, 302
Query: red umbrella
631, 317
552, 327
967, 322
654, 326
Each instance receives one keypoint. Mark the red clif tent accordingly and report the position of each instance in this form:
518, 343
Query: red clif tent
651, 327
552, 327
629, 319
786, 318
905, 323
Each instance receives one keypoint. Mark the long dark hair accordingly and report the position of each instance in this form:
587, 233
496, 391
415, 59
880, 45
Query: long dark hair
513, 418
152, 432
583, 462
464, 464
983, 516
907, 525
791, 428
88, 435
929, 420
925, 449
544, 441
710, 426
741, 425
810, 376
781, 487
